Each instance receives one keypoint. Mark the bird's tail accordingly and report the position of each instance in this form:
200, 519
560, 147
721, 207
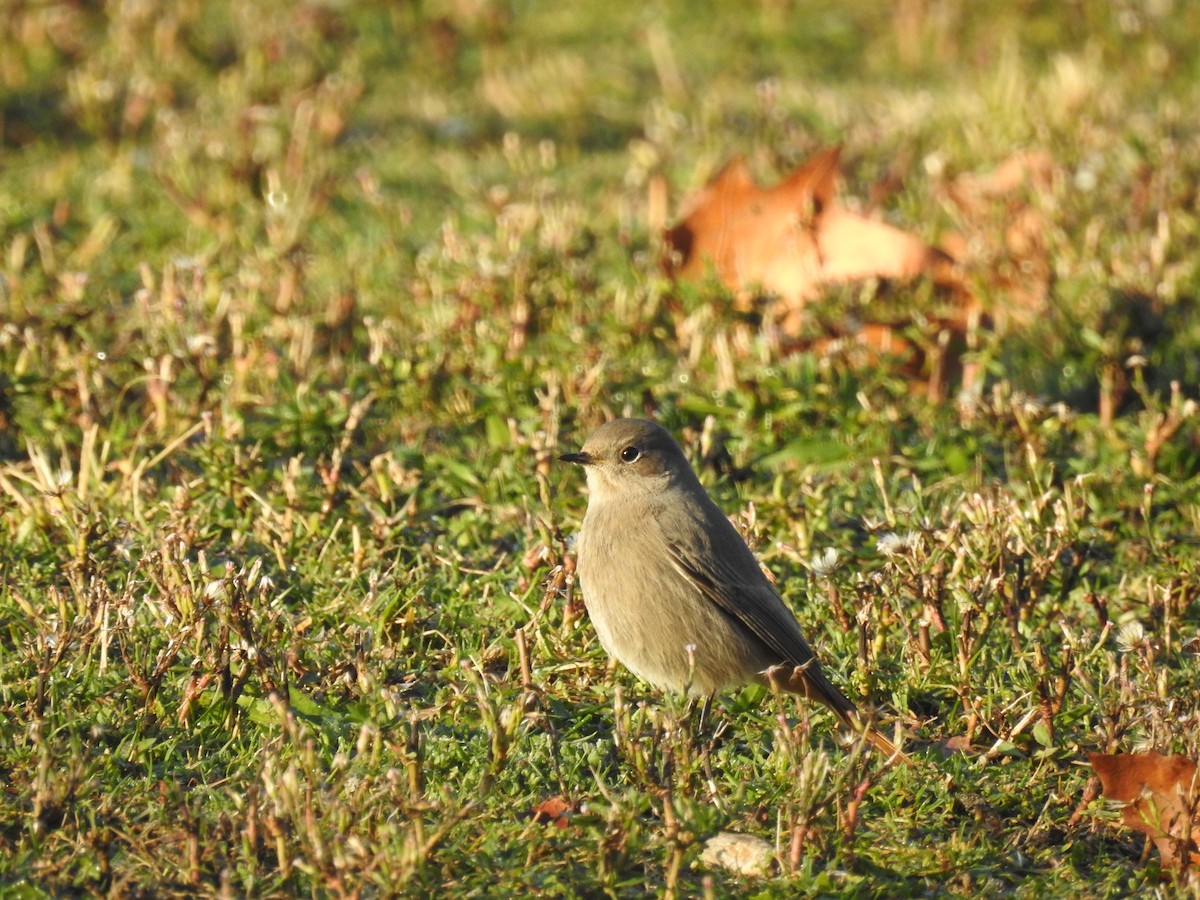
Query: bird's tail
810, 681
880, 741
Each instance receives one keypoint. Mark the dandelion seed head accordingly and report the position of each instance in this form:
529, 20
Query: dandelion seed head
825, 563
892, 544
1130, 636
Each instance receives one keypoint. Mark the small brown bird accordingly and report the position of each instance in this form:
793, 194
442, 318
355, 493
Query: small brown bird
672, 589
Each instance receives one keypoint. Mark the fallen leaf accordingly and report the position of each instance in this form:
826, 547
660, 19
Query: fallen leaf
743, 854
555, 810
1023, 169
960, 743
792, 240
1005, 231
754, 237
1159, 797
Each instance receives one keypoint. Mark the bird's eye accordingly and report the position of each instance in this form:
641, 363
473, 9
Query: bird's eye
631, 454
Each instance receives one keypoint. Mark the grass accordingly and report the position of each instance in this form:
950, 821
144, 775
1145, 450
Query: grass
300, 302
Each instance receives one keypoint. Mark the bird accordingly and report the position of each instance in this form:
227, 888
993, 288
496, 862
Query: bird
673, 590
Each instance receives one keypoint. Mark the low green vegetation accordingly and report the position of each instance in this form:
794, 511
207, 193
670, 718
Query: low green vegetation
299, 303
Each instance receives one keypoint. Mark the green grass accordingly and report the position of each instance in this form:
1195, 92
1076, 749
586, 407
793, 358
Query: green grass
300, 302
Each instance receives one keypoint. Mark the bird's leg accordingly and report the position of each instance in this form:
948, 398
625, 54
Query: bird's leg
702, 722
697, 731
704, 711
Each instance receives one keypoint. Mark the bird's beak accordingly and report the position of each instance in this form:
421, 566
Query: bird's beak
584, 459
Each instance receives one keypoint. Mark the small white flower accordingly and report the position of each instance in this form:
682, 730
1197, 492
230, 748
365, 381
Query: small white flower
892, 544
1130, 636
824, 564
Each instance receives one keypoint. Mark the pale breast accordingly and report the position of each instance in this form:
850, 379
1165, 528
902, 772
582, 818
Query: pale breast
650, 617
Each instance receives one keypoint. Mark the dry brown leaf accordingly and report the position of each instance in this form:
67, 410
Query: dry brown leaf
1159, 797
1005, 233
792, 240
1033, 169
555, 810
752, 237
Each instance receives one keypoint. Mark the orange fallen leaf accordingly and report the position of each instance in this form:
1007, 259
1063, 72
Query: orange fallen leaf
792, 240
555, 810
1005, 231
754, 237
1160, 798
1023, 169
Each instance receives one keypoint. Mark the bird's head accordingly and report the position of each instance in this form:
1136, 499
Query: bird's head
627, 458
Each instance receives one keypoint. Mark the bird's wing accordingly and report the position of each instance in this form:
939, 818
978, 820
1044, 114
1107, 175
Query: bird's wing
724, 570
748, 598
